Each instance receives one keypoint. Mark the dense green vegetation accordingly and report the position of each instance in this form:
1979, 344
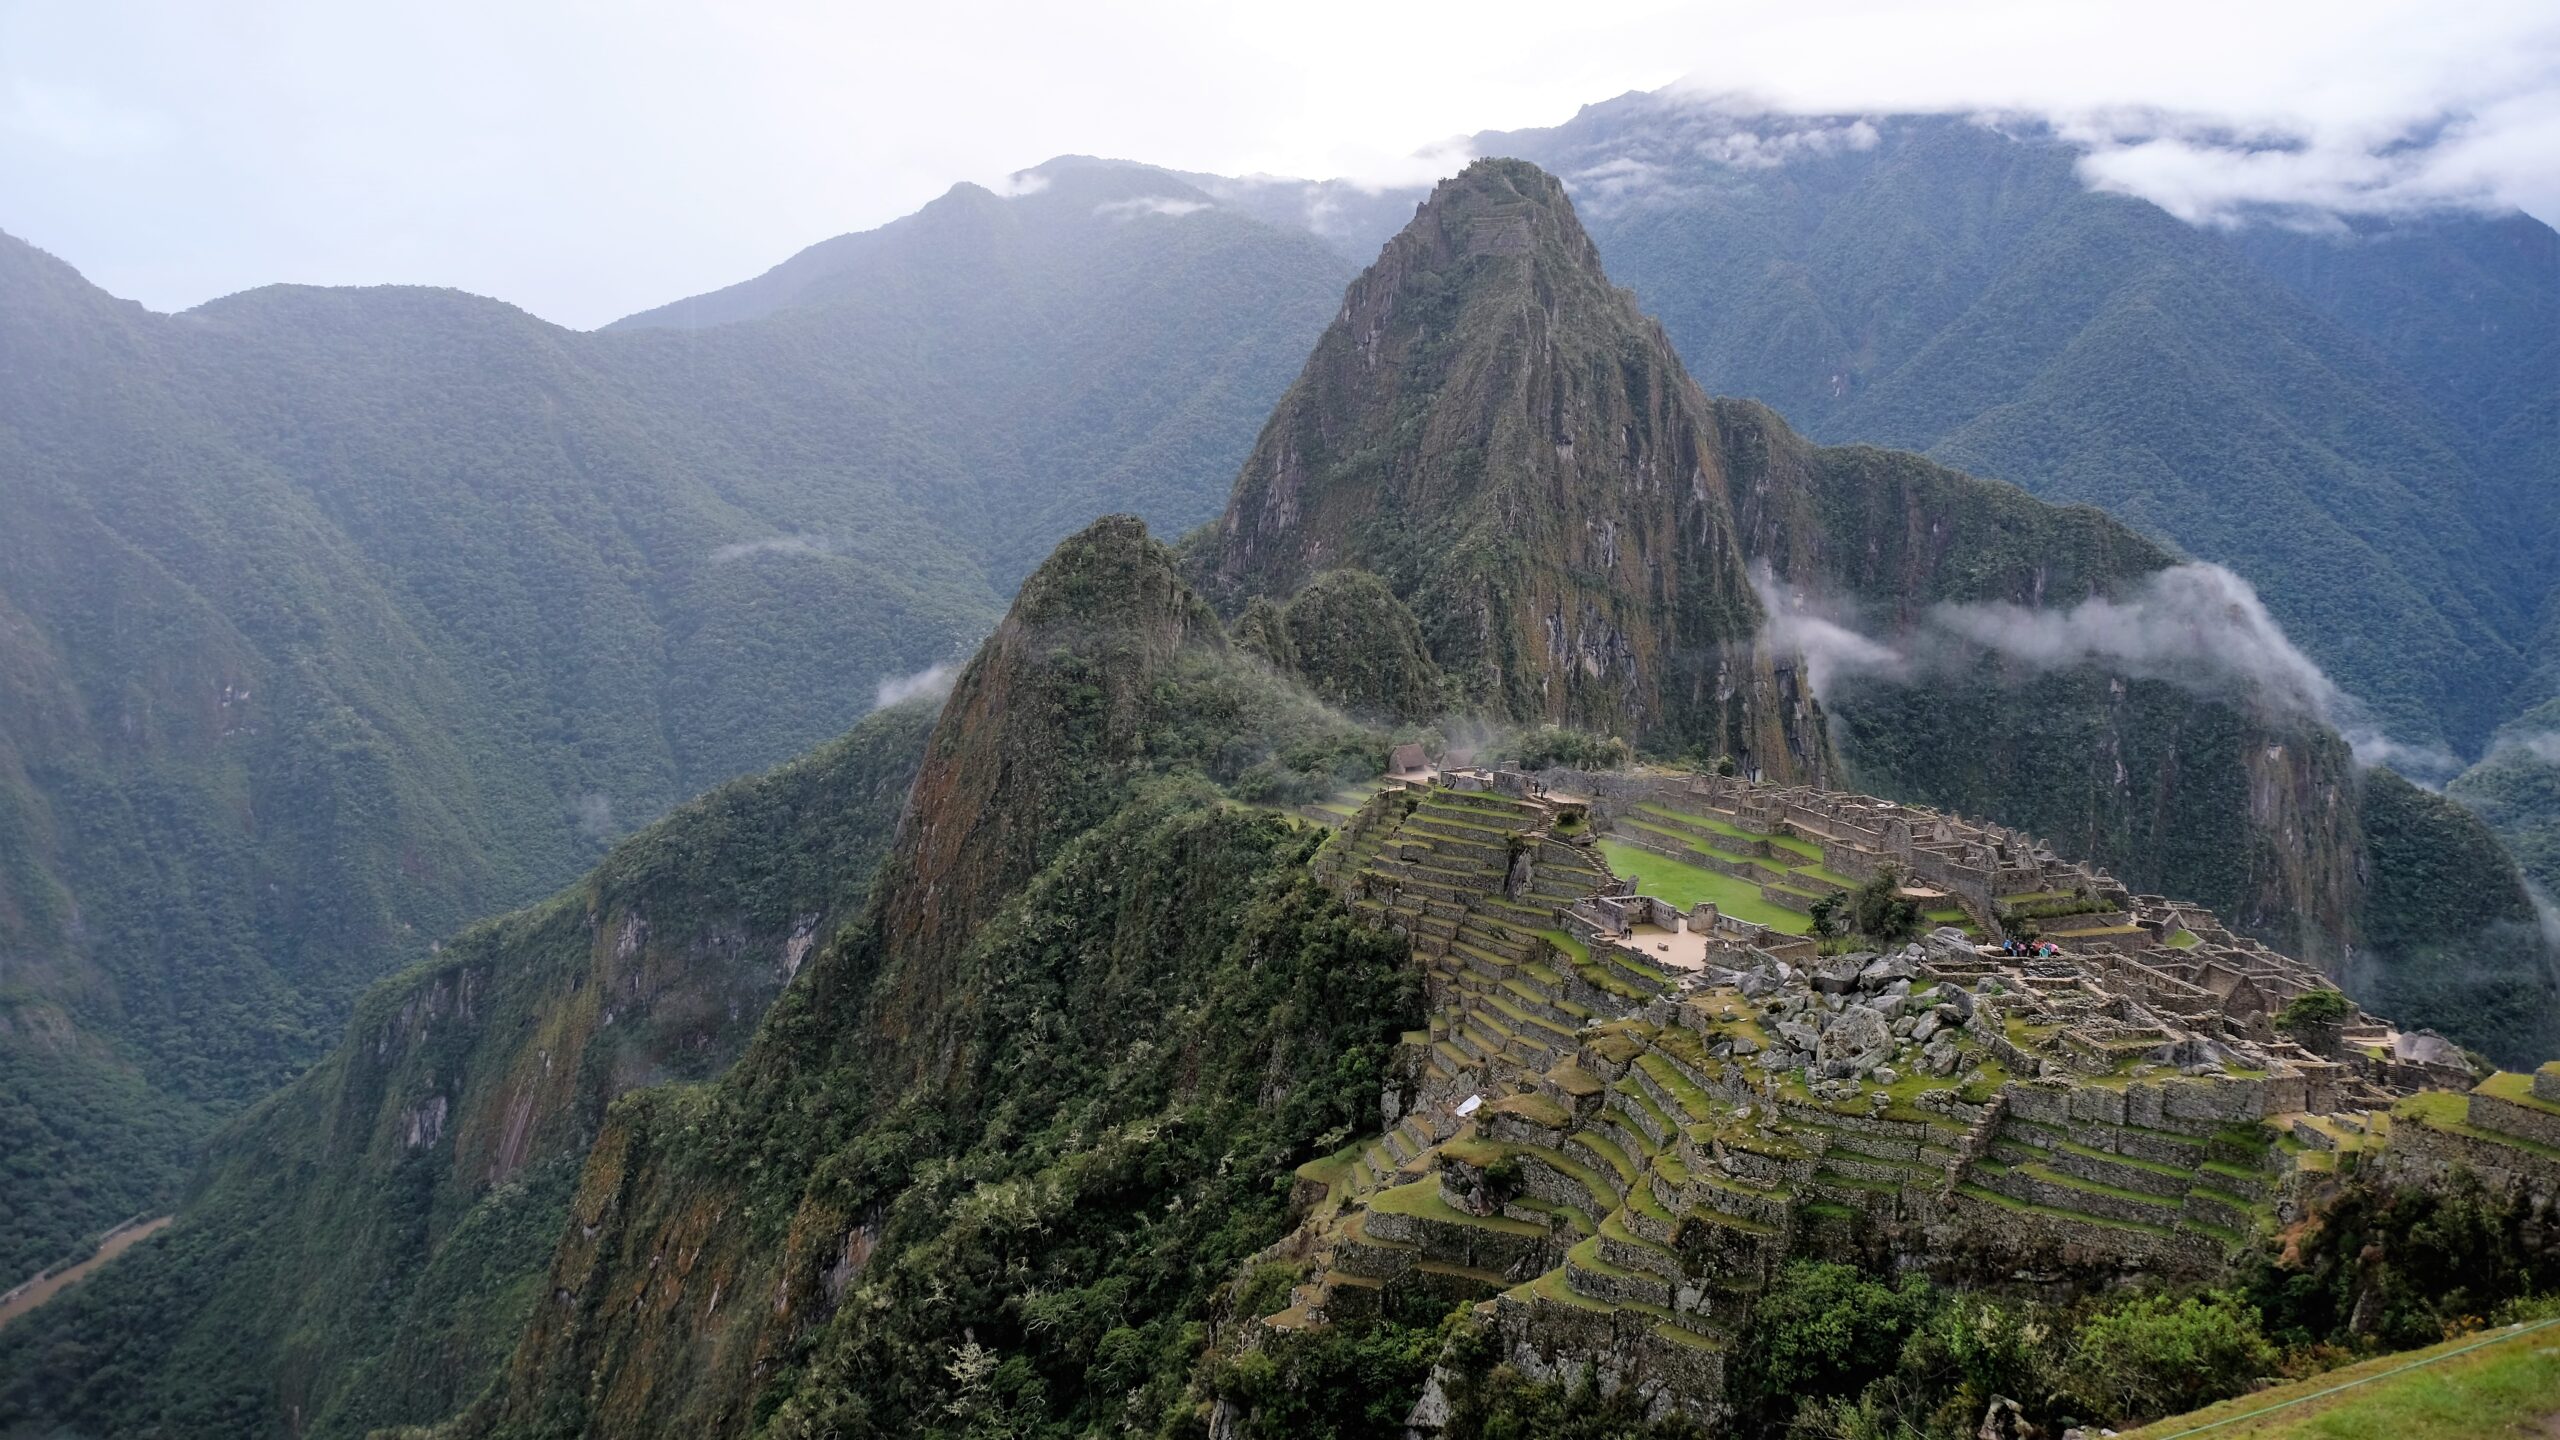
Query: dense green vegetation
2516, 789
2452, 939
1835, 1353
335, 1270
1349, 639
332, 620
994, 1173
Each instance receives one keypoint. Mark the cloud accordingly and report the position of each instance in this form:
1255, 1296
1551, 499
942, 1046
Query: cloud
2197, 626
776, 545
933, 681
2541, 745
1817, 629
2291, 111
2202, 170
1375, 172
1021, 182
1150, 205
594, 815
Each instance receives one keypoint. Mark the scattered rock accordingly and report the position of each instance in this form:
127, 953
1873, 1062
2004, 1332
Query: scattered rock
1884, 970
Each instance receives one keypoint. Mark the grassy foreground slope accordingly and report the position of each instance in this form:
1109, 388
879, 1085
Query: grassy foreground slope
2504, 1385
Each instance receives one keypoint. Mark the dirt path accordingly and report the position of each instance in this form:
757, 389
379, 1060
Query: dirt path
37, 1292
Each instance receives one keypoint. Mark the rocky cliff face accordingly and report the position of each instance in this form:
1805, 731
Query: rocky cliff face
1497, 433
361, 1249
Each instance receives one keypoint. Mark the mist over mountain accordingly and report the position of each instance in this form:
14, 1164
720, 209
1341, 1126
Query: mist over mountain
2358, 421
336, 618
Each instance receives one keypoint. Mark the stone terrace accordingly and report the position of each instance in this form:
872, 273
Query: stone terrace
1624, 1116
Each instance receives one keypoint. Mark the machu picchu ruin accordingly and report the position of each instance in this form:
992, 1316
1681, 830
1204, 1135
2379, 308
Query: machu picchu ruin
1630, 1108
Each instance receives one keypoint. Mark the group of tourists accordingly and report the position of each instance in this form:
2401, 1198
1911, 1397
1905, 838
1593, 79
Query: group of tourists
2029, 949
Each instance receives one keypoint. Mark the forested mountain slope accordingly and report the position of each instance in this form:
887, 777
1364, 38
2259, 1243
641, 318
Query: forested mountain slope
361, 1249
332, 619
1030, 1107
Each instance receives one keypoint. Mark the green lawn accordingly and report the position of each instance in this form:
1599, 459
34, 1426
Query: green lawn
1685, 885
2509, 1386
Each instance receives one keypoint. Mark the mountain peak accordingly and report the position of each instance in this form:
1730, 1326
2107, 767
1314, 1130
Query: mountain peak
1503, 207
1494, 430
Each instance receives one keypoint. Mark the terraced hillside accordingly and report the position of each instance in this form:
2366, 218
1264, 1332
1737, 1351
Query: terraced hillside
1625, 1114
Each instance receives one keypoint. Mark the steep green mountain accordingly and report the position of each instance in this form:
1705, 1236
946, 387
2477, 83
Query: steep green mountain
995, 1149
996, 1156
1500, 438
1497, 434
2516, 789
333, 619
360, 1249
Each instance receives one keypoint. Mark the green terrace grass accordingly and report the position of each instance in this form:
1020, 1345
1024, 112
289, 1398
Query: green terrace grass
2515, 1089
1580, 953
2184, 940
1692, 844
1422, 1201
2477, 1387
1685, 885
2450, 1111
2081, 1217
1789, 843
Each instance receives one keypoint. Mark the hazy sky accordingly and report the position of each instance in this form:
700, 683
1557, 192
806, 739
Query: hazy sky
587, 159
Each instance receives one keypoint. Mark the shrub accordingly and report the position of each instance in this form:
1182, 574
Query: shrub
1555, 747
1823, 1330
2155, 1356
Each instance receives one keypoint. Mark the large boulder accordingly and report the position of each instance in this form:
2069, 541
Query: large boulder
1858, 1035
1885, 969
1839, 974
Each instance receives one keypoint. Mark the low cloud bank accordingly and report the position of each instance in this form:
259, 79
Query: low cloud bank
1149, 205
777, 545
932, 680
2197, 626
2543, 746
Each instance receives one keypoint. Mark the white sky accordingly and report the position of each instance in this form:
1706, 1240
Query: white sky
587, 159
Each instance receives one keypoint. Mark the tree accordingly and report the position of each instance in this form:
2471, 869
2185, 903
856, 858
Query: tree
2155, 1356
2315, 1018
1881, 912
2314, 1010
1825, 913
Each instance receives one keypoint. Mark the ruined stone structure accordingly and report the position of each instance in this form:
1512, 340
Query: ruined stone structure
1624, 1116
